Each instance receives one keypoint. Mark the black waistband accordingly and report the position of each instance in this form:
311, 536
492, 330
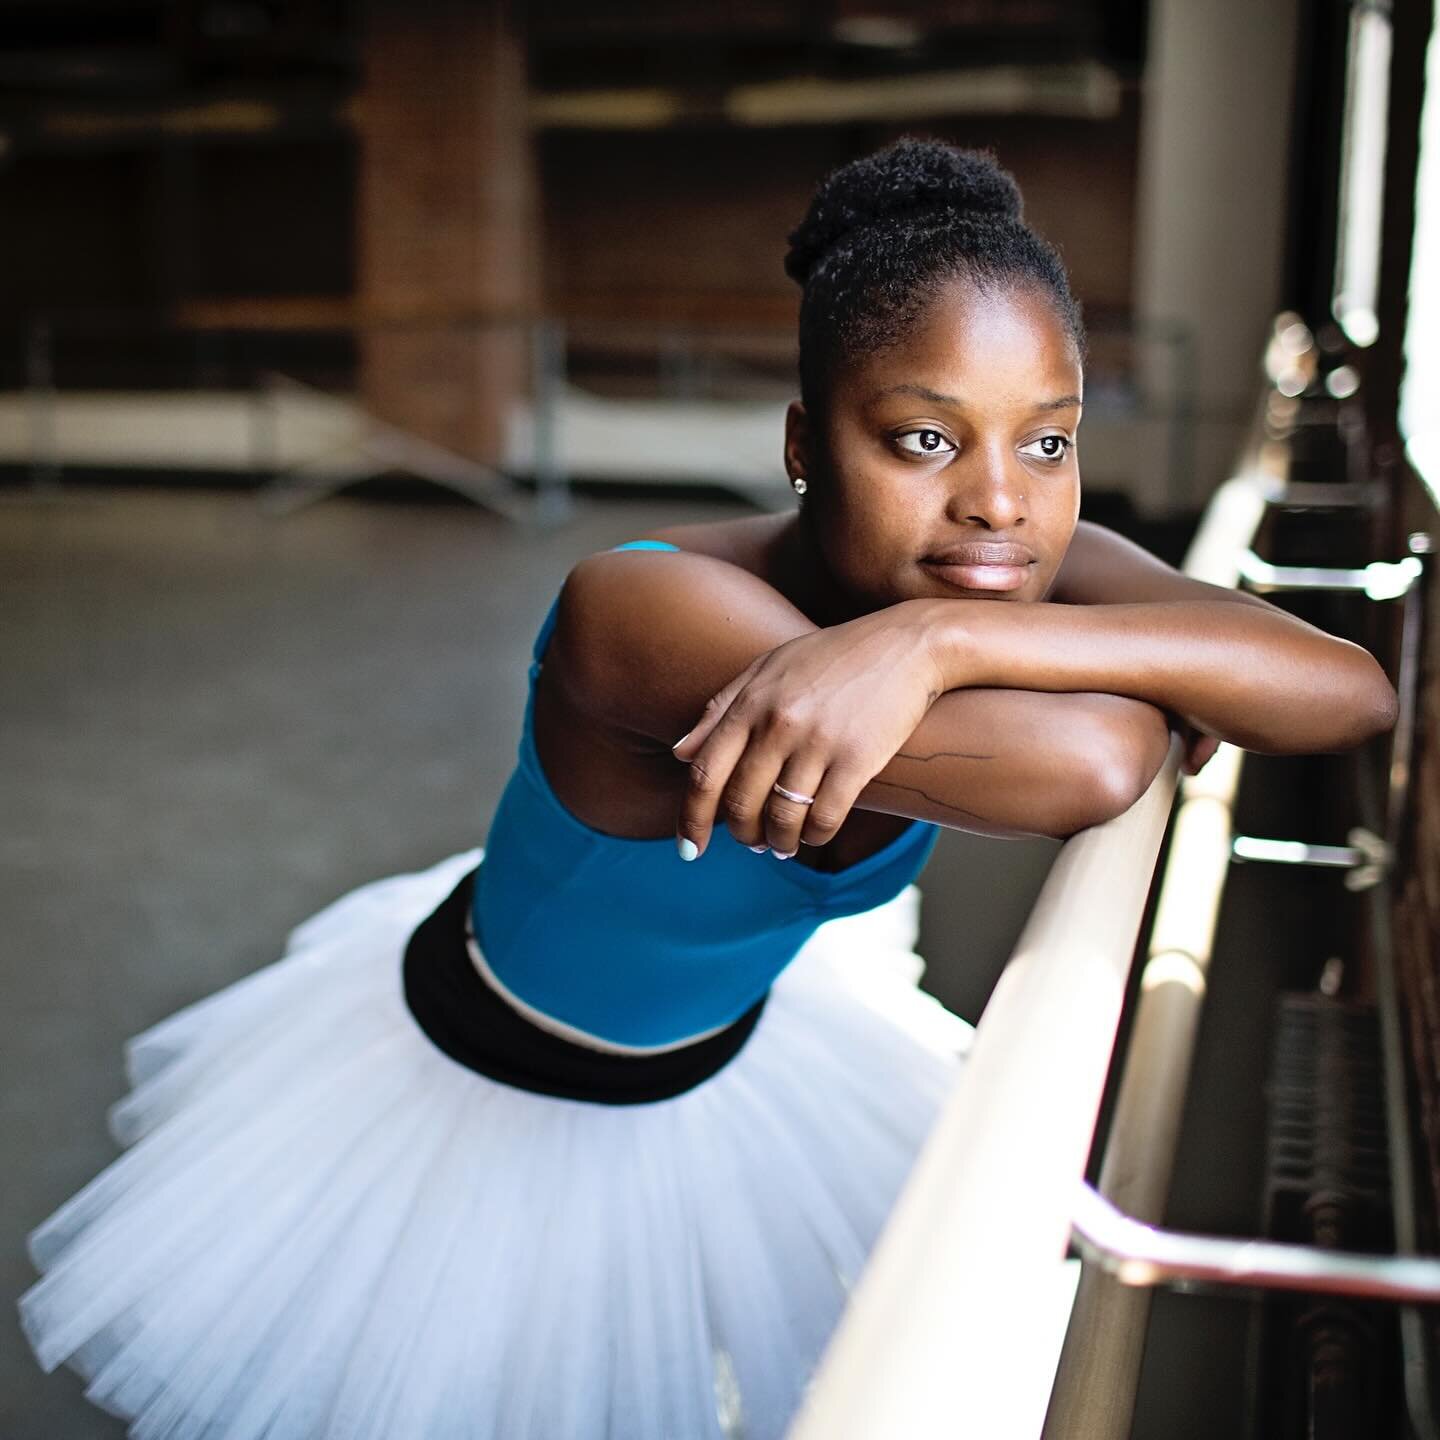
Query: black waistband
474, 1025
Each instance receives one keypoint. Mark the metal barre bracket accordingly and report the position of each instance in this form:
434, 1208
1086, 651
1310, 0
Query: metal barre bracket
1300, 495
1143, 1255
1380, 580
1365, 860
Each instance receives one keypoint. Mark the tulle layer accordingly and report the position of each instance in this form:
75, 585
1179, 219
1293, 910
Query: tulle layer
325, 1229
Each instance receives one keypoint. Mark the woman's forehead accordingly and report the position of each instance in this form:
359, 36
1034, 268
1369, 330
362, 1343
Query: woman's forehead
970, 342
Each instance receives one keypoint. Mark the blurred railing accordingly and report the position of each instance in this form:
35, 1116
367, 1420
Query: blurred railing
967, 1319
958, 1322
596, 400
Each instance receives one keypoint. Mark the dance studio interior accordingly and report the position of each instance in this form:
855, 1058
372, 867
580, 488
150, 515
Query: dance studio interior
333, 333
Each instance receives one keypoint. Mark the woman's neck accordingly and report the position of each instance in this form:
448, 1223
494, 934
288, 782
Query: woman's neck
795, 566
781, 550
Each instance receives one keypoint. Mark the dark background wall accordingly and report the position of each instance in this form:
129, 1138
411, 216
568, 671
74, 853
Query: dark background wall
700, 216
161, 154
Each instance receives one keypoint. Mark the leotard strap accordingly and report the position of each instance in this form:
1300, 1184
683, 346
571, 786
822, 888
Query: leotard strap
547, 629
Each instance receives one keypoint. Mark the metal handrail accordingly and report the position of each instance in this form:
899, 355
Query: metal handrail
942, 1326
1096, 1380
222, 352
940, 1333
1138, 1254
1094, 1383
1417, 1340
942, 1323
1380, 580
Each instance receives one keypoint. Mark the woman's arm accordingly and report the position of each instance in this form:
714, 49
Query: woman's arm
1103, 568
645, 639
1230, 666
1256, 677
1106, 569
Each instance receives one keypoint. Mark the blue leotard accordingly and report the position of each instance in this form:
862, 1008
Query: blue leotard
623, 940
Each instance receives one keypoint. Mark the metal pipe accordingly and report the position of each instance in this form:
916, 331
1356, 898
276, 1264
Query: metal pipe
945, 1327
1331, 495
1298, 852
1099, 1369
1094, 1394
1380, 580
1416, 1343
1137, 1254
553, 500
1095, 1382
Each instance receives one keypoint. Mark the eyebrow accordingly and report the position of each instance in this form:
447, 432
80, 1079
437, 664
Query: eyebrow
1063, 402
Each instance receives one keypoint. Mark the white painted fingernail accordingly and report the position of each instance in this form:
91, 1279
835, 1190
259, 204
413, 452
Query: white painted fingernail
758, 849
782, 854
682, 739
688, 849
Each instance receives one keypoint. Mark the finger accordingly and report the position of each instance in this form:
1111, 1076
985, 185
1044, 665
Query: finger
785, 817
716, 707
709, 775
834, 801
1200, 753
747, 794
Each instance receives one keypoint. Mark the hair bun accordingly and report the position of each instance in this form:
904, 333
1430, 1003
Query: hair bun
909, 178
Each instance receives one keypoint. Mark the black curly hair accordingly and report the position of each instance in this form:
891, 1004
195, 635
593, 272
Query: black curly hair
884, 231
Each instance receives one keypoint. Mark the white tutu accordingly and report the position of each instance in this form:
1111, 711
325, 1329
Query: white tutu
325, 1227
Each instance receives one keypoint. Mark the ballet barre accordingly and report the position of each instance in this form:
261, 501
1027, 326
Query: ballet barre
968, 1318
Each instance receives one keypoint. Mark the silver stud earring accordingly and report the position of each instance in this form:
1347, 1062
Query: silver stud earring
798, 485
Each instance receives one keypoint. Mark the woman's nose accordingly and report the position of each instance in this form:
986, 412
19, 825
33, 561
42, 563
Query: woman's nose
989, 492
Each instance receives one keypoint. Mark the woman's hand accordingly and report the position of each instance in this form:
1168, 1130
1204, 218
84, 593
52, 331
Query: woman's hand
819, 715
1199, 747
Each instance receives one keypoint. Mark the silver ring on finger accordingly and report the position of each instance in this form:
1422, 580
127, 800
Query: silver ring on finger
793, 795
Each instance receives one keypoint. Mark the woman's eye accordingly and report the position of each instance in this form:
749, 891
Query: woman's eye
1048, 447
923, 442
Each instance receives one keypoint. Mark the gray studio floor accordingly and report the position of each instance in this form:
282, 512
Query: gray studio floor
211, 723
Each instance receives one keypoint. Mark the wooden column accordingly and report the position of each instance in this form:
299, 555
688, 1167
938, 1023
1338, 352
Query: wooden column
448, 243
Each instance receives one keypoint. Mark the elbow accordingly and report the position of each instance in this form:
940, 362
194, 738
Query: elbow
1130, 758
1370, 706
1382, 709
1121, 751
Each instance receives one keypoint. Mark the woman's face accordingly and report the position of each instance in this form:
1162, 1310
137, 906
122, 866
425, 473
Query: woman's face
946, 465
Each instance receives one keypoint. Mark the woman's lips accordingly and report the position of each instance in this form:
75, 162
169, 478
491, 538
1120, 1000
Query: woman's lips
980, 577
983, 565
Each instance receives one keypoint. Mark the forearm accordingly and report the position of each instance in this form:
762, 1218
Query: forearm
1256, 677
1012, 762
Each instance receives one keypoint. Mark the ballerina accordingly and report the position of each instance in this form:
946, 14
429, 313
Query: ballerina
590, 1135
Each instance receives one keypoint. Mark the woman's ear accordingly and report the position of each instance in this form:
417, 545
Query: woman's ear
797, 442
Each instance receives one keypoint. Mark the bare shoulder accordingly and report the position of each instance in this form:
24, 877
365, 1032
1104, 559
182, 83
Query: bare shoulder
745, 542
1102, 567
643, 638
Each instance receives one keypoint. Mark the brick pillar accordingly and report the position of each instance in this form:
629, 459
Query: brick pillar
448, 241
